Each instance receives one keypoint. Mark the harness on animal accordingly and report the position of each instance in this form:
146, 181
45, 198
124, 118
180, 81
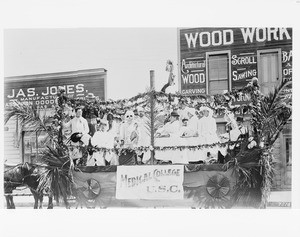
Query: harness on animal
8, 182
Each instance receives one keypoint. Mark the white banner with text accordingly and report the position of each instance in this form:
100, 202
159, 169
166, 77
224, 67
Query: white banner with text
150, 182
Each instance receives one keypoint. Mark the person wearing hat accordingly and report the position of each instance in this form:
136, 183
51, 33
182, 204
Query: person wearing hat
193, 121
185, 130
116, 124
101, 139
171, 128
144, 139
190, 137
169, 135
78, 123
242, 128
182, 111
236, 128
91, 97
80, 130
129, 130
207, 130
207, 127
91, 112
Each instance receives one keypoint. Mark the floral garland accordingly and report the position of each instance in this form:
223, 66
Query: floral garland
161, 148
218, 103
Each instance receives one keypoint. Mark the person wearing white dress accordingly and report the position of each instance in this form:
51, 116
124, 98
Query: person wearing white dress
168, 135
171, 128
234, 131
129, 138
207, 130
102, 138
184, 130
183, 110
144, 139
129, 131
190, 137
193, 121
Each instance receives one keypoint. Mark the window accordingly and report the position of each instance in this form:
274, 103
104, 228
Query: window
218, 73
288, 151
33, 144
269, 69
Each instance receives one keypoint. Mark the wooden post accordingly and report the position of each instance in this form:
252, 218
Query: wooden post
152, 105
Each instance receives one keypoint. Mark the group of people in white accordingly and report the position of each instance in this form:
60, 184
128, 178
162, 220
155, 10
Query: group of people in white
128, 131
182, 127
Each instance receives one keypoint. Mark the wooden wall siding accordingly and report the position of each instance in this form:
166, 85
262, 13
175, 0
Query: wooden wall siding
43, 92
243, 53
12, 150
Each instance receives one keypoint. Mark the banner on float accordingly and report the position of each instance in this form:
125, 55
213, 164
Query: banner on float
150, 182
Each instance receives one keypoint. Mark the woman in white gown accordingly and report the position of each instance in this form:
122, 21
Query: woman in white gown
168, 135
129, 138
207, 131
190, 137
101, 139
144, 139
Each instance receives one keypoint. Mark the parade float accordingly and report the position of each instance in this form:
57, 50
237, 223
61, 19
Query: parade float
242, 180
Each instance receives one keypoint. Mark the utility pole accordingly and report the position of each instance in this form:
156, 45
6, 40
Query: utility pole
152, 105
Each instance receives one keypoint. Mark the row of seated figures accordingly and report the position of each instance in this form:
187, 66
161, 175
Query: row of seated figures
173, 134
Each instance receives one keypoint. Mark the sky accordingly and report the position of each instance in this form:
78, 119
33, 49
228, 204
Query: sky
128, 54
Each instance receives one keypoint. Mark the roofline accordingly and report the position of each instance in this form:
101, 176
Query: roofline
68, 74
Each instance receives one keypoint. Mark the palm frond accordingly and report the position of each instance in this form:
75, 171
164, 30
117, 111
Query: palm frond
30, 117
271, 112
57, 175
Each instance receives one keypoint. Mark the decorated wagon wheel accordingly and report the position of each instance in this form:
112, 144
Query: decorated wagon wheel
218, 186
91, 189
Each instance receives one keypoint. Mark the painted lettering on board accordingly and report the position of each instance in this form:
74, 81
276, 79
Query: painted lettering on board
226, 37
243, 66
287, 70
193, 75
42, 96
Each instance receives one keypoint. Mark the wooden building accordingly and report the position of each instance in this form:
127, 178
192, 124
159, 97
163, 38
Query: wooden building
215, 60
40, 90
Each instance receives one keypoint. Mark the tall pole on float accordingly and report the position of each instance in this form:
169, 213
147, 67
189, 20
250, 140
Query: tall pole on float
152, 89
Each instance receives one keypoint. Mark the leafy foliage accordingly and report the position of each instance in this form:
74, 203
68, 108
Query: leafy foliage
254, 167
32, 118
57, 174
270, 113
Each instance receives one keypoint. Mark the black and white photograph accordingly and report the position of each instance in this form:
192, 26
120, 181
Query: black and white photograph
131, 118
211, 131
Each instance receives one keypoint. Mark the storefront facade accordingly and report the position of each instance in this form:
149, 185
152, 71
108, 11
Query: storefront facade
40, 91
216, 60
